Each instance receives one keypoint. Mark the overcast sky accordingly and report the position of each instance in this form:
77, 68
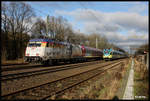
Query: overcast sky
123, 23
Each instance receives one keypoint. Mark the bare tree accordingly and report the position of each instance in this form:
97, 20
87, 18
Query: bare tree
16, 20
39, 29
143, 48
57, 28
50, 27
69, 35
4, 31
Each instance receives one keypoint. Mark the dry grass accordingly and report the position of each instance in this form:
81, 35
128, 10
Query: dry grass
86, 92
141, 80
53, 97
18, 61
67, 96
141, 70
112, 89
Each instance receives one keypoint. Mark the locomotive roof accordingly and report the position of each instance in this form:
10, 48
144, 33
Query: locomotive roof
41, 40
48, 40
115, 51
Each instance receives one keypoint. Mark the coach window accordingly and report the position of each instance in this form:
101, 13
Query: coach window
85, 50
88, 51
114, 53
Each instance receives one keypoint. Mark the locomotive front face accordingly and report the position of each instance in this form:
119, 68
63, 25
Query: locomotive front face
107, 53
34, 51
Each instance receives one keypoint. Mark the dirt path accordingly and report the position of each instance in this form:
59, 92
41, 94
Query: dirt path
129, 88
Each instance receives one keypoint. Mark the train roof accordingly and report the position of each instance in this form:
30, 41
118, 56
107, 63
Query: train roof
115, 51
90, 48
41, 40
49, 40
118, 52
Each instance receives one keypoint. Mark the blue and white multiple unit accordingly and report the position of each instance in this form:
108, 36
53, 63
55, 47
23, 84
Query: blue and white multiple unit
107, 53
112, 54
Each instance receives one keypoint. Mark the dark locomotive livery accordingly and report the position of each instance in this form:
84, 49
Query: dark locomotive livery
47, 51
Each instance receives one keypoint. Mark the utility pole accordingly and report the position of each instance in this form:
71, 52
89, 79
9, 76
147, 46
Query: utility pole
130, 51
79, 30
47, 24
96, 43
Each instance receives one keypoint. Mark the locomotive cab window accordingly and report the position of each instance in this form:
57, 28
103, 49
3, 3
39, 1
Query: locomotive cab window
47, 44
34, 44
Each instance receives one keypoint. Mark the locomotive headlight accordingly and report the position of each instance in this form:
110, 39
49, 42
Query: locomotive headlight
37, 54
110, 56
27, 54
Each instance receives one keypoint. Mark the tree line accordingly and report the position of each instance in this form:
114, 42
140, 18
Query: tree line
17, 29
15, 19
142, 49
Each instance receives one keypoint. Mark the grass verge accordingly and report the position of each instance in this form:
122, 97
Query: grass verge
141, 81
18, 61
124, 80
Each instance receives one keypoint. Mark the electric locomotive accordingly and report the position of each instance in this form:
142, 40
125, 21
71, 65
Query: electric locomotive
48, 51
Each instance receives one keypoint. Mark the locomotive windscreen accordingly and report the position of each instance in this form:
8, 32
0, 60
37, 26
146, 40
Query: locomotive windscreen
34, 44
107, 51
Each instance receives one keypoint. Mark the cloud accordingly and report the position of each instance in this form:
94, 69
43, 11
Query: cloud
111, 25
130, 21
138, 8
122, 19
137, 35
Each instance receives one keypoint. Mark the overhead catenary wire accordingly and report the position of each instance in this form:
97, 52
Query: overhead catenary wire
93, 14
90, 12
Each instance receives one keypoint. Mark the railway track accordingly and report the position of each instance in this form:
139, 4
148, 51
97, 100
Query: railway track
12, 67
44, 71
45, 91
